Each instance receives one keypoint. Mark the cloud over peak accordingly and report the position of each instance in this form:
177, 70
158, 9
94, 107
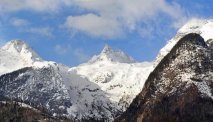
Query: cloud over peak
17, 22
110, 18
97, 26
101, 18
34, 5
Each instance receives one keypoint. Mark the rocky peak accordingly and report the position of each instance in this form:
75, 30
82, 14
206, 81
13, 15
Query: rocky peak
107, 49
110, 55
179, 88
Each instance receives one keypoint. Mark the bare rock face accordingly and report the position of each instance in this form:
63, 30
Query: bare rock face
180, 88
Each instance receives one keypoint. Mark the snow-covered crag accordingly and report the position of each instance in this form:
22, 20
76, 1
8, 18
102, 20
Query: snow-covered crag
98, 90
104, 87
180, 88
120, 81
15, 55
199, 26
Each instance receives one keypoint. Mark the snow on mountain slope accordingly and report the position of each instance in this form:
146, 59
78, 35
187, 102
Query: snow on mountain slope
118, 83
102, 88
98, 90
59, 91
108, 54
202, 27
180, 88
121, 81
16, 54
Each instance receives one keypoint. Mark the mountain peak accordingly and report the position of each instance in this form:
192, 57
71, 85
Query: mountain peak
15, 55
199, 26
185, 74
106, 49
110, 55
15, 45
21, 48
203, 27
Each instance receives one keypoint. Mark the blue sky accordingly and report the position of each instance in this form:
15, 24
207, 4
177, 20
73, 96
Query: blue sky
71, 31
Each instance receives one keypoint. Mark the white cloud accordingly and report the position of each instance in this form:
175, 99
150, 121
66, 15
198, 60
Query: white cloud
81, 55
146, 32
180, 22
94, 25
104, 18
60, 49
2, 40
112, 17
78, 53
44, 31
25, 26
17, 22
131, 11
35, 5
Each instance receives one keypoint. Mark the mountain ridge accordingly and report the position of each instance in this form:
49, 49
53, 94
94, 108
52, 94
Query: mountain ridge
100, 95
165, 93
198, 26
104, 87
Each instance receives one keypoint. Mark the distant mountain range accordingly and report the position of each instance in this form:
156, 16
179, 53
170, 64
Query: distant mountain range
101, 89
175, 87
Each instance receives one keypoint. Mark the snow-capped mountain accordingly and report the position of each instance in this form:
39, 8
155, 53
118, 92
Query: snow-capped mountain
15, 55
117, 76
98, 90
105, 86
199, 26
180, 87
108, 54
120, 81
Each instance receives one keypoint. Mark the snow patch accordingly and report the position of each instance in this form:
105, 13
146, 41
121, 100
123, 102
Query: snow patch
202, 27
204, 88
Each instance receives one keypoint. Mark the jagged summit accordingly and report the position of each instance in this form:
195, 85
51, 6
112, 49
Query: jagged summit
22, 48
16, 44
107, 49
110, 55
17, 54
